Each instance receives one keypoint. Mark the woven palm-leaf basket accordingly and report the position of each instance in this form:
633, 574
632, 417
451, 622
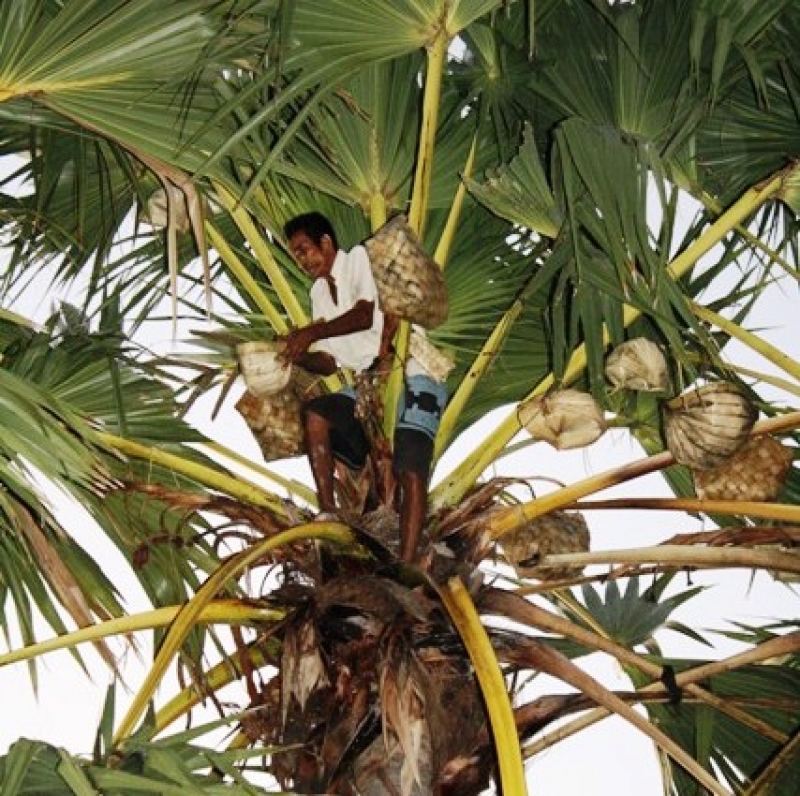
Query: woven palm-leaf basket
435, 361
410, 283
706, 425
261, 366
275, 421
551, 534
756, 472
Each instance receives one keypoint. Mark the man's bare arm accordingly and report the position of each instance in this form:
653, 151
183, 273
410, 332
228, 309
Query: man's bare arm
318, 362
356, 319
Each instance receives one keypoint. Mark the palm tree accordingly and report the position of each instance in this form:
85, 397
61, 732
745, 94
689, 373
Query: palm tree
541, 152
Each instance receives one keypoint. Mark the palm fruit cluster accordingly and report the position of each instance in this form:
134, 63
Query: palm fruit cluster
551, 534
410, 283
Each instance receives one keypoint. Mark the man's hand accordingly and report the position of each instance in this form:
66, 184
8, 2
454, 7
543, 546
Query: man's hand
298, 341
295, 350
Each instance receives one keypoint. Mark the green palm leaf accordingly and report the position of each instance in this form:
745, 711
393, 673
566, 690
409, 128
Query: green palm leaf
631, 617
520, 192
163, 769
768, 695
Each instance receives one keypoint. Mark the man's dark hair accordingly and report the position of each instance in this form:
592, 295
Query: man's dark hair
313, 224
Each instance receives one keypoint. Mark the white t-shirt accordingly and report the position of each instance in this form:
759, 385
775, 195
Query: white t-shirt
353, 278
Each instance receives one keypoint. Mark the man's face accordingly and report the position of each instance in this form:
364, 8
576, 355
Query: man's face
316, 259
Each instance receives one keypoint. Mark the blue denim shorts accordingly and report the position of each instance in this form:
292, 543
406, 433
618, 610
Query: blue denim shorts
419, 412
421, 405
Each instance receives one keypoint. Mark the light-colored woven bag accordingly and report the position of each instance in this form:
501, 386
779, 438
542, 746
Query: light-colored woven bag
550, 534
755, 472
410, 283
275, 421
261, 366
433, 359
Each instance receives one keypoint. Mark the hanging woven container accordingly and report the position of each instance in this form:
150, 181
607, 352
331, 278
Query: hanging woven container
551, 534
410, 283
262, 368
433, 359
275, 421
756, 472
637, 364
566, 419
706, 425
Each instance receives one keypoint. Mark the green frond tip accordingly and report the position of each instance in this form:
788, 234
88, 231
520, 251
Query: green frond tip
519, 192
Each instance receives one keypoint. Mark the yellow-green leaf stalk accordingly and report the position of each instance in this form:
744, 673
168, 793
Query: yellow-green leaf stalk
682, 556
765, 378
452, 489
192, 610
295, 488
711, 204
510, 518
377, 208
229, 612
234, 487
442, 253
263, 254
214, 679
752, 341
490, 678
779, 512
437, 57
480, 365
486, 355
441, 256
245, 280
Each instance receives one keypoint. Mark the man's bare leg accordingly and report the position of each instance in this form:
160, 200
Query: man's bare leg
413, 510
320, 457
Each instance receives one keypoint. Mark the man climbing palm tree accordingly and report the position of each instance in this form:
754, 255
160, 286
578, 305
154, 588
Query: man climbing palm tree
350, 330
